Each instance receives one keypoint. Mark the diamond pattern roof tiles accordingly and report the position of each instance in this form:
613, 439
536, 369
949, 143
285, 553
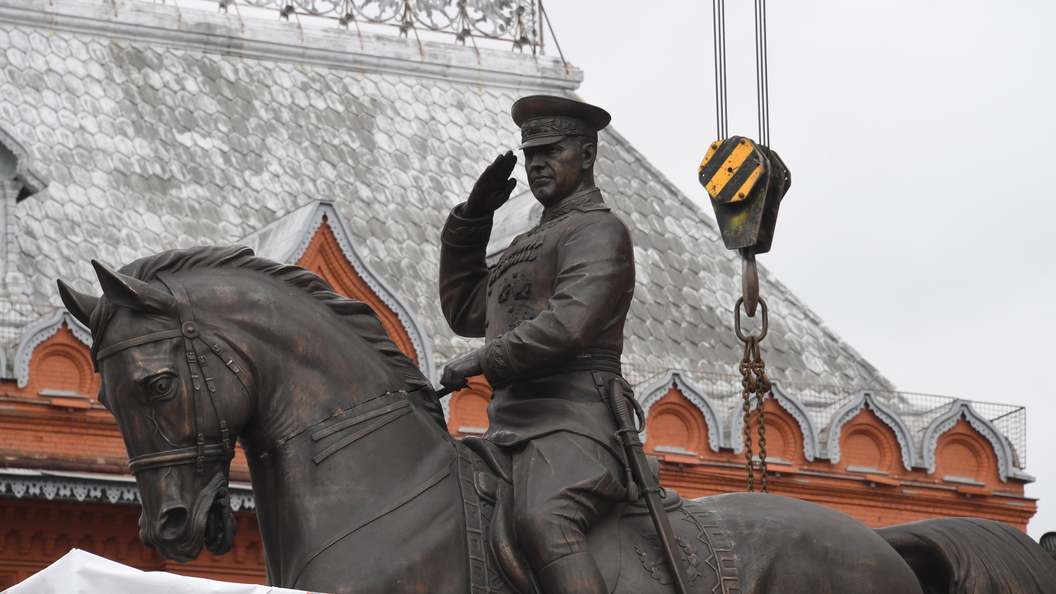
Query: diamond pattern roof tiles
152, 145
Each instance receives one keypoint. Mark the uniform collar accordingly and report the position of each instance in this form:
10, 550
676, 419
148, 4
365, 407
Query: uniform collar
581, 198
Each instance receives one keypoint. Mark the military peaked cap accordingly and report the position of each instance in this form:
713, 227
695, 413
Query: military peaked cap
545, 119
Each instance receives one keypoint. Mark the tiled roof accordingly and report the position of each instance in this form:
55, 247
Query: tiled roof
160, 128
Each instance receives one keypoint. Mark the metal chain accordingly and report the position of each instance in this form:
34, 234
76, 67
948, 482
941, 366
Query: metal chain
746, 382
762, 389
754, 381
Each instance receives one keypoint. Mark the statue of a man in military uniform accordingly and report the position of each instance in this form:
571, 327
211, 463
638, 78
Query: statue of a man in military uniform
552, 313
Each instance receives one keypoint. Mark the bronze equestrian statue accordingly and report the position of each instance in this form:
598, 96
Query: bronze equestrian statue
358, 485
552, 313
359, 489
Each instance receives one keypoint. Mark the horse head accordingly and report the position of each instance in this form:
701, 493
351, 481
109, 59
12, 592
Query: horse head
201, 347
180, 395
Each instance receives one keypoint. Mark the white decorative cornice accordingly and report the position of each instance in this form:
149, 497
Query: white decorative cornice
794, 407
167, 25
287, 239
811, 448
652, 394
963, 409
71, 486
37, 334
850, 410
29, 181
21, 155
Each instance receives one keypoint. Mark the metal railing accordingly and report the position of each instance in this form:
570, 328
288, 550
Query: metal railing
916, 410
821, 402
16, 316
517, 22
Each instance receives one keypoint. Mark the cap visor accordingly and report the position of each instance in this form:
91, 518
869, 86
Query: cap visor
542, 141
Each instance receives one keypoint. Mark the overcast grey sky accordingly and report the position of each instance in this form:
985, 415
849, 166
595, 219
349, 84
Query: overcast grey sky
919, 135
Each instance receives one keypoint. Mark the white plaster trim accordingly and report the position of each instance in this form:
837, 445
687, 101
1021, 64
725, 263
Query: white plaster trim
50, 485
850, 410
21, 155
945, 422
652, 394
166, 25
23, 174
811, 447
37, 334
419, 338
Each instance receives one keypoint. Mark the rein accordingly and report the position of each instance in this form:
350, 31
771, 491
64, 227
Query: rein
194, 339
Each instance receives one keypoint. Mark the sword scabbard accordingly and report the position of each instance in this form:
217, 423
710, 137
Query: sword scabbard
638, 465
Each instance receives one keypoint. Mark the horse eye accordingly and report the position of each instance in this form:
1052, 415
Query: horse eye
161, 386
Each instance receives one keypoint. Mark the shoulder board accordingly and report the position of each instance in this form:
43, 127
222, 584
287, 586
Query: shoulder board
590, 207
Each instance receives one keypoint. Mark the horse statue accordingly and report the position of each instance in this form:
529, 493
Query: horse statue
360, 488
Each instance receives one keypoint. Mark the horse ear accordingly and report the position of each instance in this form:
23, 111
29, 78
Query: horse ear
132, 293
79, 304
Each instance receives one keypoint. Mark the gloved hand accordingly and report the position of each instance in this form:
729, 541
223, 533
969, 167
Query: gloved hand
459, 369
493, 188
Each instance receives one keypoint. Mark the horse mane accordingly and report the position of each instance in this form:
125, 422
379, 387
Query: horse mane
358, 316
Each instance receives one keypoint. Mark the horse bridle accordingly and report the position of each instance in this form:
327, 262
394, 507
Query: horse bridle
194, 338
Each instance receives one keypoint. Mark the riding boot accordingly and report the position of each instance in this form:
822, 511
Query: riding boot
575, 574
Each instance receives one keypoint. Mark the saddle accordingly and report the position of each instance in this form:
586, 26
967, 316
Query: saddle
494, 486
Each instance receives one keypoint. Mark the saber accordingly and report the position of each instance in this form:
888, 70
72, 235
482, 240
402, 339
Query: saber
638, 464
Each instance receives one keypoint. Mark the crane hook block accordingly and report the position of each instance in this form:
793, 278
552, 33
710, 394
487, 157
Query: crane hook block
746, 182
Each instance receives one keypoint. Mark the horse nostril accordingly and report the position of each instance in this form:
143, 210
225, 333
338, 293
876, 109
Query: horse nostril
172, 522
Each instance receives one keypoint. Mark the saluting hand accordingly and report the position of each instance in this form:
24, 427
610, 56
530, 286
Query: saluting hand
493, 188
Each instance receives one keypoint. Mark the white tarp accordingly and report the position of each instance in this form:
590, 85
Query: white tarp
80, 572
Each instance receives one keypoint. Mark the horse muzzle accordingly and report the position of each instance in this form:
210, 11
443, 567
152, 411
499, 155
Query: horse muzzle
179, 533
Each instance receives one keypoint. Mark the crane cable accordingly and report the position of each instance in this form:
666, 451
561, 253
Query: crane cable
762, 85
752, 367
718, 9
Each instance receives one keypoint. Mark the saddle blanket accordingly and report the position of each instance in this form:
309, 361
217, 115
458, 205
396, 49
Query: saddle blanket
80, 572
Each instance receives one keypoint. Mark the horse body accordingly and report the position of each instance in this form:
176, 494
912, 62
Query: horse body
750, 542
357, 486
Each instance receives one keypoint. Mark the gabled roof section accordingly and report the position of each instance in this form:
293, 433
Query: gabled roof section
963, 409
289, 238
866, 399
38, 333
652, 393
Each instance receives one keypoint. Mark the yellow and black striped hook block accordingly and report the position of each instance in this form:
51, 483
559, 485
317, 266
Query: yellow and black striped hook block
746, 183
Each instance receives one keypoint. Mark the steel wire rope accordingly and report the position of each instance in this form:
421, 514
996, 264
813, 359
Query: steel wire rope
718, 9
761, 78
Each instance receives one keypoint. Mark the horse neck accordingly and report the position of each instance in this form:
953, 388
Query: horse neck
312, 372
307, 363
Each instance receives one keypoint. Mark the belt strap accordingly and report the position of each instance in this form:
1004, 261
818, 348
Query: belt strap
596, 362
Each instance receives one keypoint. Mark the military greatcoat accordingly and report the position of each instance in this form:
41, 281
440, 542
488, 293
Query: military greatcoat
552, 310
